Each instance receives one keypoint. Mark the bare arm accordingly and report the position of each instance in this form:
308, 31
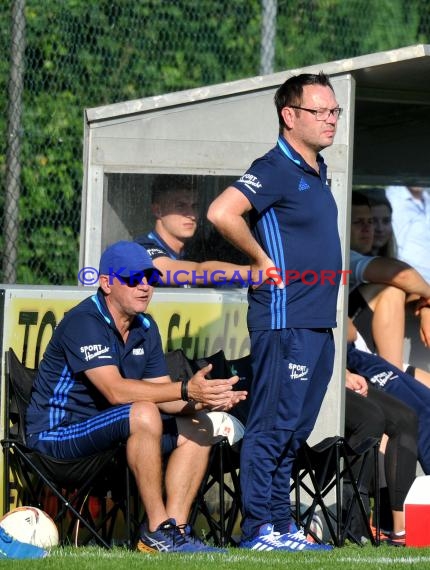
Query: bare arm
178, 272
118, 390
229, 400
399, 274
226, 213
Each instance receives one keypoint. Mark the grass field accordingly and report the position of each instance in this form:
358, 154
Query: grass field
346, 558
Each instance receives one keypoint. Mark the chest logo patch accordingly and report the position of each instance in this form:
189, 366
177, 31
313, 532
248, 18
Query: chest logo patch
138, 351
303, 185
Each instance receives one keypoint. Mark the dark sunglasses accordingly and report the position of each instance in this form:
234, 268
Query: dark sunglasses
134, 279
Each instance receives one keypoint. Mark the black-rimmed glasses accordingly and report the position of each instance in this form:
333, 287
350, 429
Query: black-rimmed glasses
320, 114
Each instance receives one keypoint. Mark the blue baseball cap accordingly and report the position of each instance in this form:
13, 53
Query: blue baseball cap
126, 258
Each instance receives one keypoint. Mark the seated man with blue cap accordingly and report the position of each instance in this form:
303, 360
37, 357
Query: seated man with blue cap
103, 379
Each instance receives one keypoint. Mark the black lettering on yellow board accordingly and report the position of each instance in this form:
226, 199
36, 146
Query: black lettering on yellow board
39, 327
28, 319
48, 319
174, 321
203, 344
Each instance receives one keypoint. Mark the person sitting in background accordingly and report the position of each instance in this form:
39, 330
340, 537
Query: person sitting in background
384, 243
411, 224
383, 285
175, 207
103, 380
370, 412
390, 413
392, 380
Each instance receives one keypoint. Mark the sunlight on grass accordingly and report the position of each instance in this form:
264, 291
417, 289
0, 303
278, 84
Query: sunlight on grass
346, 558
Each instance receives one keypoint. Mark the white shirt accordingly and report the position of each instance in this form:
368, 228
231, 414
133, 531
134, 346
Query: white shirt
411, 225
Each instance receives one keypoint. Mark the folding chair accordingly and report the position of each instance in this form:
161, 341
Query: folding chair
242, 367
325, 467
71, 482
221, 479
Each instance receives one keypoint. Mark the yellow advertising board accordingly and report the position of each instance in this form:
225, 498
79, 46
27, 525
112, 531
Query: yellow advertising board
200, 321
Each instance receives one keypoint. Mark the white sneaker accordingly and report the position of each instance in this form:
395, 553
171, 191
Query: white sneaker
295, 541
266, 540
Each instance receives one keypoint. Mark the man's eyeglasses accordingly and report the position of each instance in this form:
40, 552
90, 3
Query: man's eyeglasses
135, 279
320, 114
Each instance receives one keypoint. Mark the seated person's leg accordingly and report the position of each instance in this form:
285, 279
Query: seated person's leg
144, 456
419, 374
98, 433
139, 425
187, 464
363, 419
360, 317
401, 426
388, 322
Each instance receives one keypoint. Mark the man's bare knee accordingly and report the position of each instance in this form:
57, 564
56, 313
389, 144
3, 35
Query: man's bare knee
145, 416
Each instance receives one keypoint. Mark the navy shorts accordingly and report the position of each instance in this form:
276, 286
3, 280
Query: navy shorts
362, 316
96, 434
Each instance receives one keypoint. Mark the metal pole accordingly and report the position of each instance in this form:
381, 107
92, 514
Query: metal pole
13, 153
268, 36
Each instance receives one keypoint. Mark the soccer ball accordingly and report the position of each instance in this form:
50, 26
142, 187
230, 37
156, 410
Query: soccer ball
30, 525
227, 426
316, 527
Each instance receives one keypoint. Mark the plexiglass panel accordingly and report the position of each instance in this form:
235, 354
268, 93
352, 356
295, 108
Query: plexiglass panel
128, 210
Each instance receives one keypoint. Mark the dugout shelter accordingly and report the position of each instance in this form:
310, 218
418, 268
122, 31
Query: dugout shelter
212, 134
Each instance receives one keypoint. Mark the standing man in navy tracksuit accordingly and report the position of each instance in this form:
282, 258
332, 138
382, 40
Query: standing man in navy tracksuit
293, 228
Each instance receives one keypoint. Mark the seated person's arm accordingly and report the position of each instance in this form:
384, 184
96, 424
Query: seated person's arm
118, 390
230, 399
216, 394
181, 272
397, 273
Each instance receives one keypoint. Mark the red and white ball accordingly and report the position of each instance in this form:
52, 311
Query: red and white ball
317, 527
30, 525
226, 425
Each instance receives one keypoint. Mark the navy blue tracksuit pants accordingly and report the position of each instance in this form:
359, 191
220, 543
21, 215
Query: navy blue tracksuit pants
291, 371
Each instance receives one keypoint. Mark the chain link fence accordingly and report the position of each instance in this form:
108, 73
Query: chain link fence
61, 56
